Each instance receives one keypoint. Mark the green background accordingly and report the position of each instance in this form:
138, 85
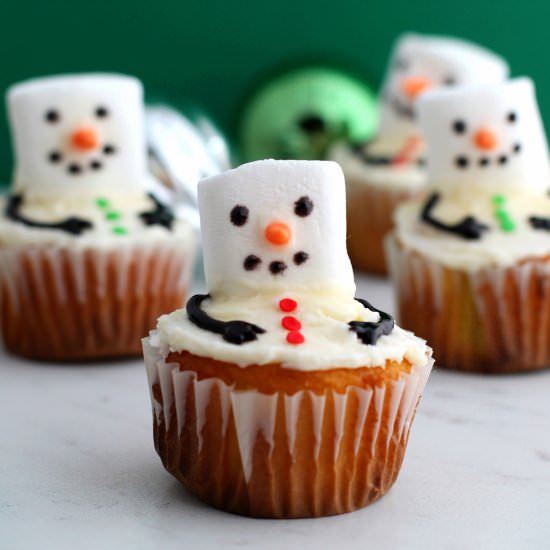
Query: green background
215, 52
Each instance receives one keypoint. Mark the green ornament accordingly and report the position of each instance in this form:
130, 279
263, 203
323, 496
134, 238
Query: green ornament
119, 230
301, 113
507, 225
499, 200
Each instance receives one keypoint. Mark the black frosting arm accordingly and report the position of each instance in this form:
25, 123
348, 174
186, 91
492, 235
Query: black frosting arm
467, 228
235, 332
369, 332
540, 222
72, 225
159, 215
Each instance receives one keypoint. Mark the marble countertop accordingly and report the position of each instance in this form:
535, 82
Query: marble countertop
78, 468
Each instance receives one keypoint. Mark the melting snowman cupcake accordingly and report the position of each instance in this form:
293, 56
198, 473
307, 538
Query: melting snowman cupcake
88, 257
271, 386
474, 256
390, 168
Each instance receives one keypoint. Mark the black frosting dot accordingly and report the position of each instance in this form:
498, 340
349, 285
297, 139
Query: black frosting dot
96, 165
55, 156
459, 126
74, 168
303, 206
503, 159
300, 257
462, 162
277, 267
512, 117
483, 161
101, 112
251, 262
517, 147
52, 116
109, 149
239, 215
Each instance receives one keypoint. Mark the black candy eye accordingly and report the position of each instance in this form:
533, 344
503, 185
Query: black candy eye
101, 112
449, 81
239, 215
512, 117
52, 116
109, 149
55, 156
303, 206
459, 126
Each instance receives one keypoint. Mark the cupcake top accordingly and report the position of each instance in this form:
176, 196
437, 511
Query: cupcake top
80, 165
280, 283
419, 63
489, 176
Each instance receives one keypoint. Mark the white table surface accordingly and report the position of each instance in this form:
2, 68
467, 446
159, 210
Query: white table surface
78, 469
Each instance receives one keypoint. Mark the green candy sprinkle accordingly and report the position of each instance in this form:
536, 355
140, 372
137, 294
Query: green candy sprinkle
112, 216
501, 214
119, 230
102, 203
499, 200
507, 225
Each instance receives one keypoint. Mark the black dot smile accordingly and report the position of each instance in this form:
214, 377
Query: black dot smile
277, 267
251, 262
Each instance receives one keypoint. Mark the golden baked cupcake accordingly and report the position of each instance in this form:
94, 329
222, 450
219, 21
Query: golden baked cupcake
88, 258
389, 169
471, 261
278, 394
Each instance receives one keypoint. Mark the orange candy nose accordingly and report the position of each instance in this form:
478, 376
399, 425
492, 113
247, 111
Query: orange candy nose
413, 85
278, 233
485, 139
85, 139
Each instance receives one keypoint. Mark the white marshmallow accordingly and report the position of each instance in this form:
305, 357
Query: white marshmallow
507, 114
75, 99
269, 190
443, 62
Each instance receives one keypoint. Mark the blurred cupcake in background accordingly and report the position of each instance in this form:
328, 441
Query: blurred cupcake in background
389, 169
471, 262
88, 257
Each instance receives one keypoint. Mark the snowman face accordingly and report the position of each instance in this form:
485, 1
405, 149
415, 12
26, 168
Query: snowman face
421, 63
490, 136
79, 134
275, 225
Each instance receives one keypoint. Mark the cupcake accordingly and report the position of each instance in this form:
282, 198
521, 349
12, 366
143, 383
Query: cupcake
471, 261
389, 169
277, 393
88, 258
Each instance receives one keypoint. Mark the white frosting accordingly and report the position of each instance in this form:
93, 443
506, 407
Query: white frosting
485, 109
103, 234
269, 190
435, 60
406, 176
329, 343
75, 100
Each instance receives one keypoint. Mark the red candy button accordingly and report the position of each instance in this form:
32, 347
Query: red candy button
295, 337
291, 323
287, 305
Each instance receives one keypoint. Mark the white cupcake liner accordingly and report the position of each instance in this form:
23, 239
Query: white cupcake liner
361, 430
495, 319
59, 302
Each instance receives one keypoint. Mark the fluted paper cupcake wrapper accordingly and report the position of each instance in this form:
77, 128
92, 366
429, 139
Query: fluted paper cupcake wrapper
280, 455
370, 218
70, 304
493, 320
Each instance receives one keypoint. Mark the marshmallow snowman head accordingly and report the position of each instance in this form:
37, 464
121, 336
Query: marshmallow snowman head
420, 63
78, 135
275, 225
485, 136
